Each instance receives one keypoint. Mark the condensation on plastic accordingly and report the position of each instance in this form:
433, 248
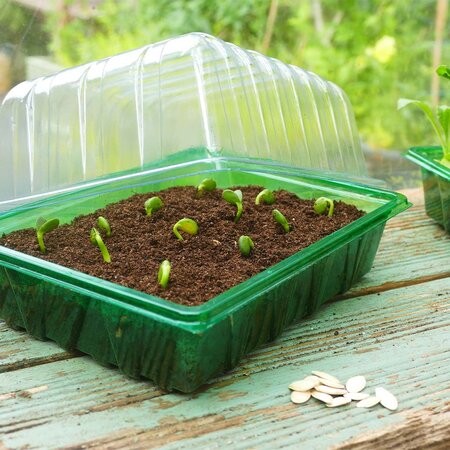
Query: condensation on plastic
139, 107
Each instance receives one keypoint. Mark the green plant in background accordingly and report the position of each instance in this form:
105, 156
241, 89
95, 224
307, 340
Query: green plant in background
246, 245
443, 71
374, 69
164, 273
97, 240
207, 185
279, 218
324, 204
187, 225
265, 196
152, 205
44, 226
234, 198
440, 121
104, 225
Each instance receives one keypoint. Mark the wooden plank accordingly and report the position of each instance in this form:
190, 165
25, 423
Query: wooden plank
18, 350
398, 339
413, 249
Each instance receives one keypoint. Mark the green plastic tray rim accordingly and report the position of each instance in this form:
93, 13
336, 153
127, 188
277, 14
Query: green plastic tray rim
199, 318
427, 157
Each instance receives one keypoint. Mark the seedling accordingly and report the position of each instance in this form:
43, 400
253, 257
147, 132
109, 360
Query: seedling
208, 184
104, 225
97, 240
152, 205
278, 216
234, 198
440, 121
322, 204
265, 196
164, 273
44, 226
246, 245
443, 71
187, 225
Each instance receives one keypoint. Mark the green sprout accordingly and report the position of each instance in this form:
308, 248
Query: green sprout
234, 198
187, 225
439, 119
104, 225
266, 196
208, 184
164, 273
278, 216
97, 240
322, 204
246, 245
44, 226
152, 205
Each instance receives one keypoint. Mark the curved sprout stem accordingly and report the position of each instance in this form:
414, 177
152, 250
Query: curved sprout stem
322, 204
187, 225
265, 196
44, 226
279, 217
164, 273
234, 198
97, 240
153, 204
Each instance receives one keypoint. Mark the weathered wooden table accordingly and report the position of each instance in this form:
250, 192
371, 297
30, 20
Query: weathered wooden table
393, 327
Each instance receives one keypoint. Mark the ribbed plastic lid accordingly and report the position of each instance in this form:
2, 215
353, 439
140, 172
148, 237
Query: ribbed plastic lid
141, 106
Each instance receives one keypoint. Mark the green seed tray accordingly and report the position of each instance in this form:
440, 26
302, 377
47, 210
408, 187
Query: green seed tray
436, 183
180, 347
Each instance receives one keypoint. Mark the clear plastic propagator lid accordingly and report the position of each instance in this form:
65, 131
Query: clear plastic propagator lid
141, 106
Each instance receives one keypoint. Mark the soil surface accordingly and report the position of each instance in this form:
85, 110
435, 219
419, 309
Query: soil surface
203, 265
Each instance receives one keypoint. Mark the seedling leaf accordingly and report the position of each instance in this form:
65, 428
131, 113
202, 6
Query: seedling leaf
322, 204
187, 225
266, 196
234, 198
444, 120
246, 245
104, 225
443, 71
403, 102
39, 222
44, 227
153, 204
208, 184
97, 240
164, 273
278, 216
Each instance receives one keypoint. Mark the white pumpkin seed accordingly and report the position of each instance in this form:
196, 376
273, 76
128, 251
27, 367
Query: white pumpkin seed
368, 402
356, 395
331, 383
387, 399
355, 384
304, 385
326, 398
325, 376
312, 378
300, 397
338, 401
330, 390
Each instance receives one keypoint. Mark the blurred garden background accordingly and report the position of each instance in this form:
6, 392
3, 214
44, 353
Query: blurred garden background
376, 50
